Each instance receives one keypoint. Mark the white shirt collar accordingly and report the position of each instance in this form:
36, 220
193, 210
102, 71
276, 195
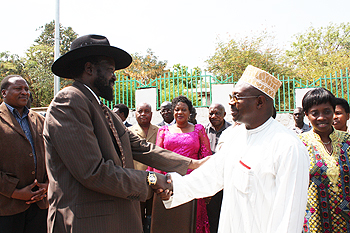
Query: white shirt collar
98, 100
261, 127
171, 123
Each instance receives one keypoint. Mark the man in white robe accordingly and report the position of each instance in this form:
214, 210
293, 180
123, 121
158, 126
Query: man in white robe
262, 166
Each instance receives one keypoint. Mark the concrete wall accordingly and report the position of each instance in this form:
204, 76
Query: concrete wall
147, 95
220, 95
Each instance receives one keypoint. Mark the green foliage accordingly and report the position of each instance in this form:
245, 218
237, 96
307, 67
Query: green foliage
35, 67
180, 71
47, 36
175, 88
124, 91
232, 57
320, 51
39, 59
180, 81
10, 64
189, 79
144, 68
315, 53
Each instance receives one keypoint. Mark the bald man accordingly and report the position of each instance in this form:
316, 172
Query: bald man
144, 130
214, 129
167, 113
217, 124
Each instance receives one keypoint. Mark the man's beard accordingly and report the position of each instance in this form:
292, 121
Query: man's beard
106, 91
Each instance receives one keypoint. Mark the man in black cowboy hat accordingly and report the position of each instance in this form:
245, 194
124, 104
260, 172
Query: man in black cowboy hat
89, 152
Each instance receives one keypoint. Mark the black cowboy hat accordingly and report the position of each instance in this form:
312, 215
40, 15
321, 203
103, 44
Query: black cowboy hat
89, 45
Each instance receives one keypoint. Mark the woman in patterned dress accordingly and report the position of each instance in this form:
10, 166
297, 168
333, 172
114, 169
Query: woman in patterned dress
329, 191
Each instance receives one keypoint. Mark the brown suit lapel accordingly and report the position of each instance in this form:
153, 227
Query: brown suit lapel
7, 116
99, 109
151, 131
87, 93
97, 105
139, 131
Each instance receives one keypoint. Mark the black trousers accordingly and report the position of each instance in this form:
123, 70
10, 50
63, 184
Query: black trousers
213, 211
33, 220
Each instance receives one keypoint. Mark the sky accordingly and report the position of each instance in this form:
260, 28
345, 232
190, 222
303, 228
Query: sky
181, 31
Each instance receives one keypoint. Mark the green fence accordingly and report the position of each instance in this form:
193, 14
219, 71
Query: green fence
198, 88
337, 83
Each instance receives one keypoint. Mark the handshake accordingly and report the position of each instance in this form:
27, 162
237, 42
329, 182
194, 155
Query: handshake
161, 184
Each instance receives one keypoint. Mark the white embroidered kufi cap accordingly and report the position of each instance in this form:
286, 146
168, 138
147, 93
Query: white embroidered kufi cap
261, 80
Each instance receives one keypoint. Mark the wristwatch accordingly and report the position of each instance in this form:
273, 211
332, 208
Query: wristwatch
151, 178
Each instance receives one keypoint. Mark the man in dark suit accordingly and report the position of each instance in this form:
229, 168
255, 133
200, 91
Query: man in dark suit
167, 113
89, 152
23, 178
123, 112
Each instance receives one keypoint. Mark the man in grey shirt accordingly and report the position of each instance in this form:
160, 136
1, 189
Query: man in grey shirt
300, 126
217, 124
214, 129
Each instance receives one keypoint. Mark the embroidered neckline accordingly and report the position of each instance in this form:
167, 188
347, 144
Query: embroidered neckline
331, 159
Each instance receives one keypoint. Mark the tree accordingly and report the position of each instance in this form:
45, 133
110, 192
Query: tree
180, 81
47, 36
180, 70
189, 78
10, 64
233, 57
145, 68
39, 59
320, 51
40, 77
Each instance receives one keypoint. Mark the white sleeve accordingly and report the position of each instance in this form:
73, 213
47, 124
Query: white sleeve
202, 182
292, 180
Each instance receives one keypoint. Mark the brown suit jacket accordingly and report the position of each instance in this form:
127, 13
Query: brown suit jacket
150, 137
17, 168
89, 191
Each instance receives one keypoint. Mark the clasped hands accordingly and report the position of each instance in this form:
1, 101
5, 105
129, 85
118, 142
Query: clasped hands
164, 186
31, 193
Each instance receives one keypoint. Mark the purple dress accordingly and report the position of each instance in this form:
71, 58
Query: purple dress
193, 145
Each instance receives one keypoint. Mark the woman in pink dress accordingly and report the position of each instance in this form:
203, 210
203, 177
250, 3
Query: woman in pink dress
191, 141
